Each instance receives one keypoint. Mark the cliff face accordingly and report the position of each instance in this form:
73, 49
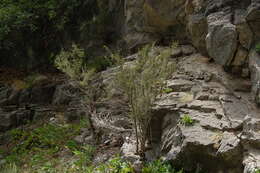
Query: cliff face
224, 30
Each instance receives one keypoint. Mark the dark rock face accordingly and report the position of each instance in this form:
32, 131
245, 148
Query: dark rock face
18, 106
35, 95
22, 106
223, 24
11, 119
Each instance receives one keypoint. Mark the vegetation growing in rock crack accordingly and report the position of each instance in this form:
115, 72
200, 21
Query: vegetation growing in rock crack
187, 120
142, 82
167, 90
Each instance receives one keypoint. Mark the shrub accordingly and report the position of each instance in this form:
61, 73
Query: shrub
142, 82
84, 78
71, 62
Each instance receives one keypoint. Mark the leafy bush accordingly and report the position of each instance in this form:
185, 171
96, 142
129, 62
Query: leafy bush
71, 62
84, 79
142, 82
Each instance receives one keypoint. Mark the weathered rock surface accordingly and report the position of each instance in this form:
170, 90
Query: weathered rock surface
224, 135
224, 30
18, 107
225, 129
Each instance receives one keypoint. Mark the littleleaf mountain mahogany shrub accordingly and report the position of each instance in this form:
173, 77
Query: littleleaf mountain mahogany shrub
142, 82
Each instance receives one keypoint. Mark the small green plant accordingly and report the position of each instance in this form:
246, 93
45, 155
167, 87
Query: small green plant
174, 44
115, 165
187, 120
167, 90
84, 156
257, 48
158, 166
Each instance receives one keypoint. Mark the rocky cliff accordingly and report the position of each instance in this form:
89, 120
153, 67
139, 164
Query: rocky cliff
216, 84
225, 30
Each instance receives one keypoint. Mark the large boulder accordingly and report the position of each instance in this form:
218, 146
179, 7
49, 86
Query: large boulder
221, 39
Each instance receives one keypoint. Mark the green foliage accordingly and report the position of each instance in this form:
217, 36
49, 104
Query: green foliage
9, 168
32, 15
38, 146
174, 44
115, 165
99, 63
257, 171
49, 135
159, 166
84, 155
71, 62
40, 28
142, 82
167, 90
257, 48
187, 120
